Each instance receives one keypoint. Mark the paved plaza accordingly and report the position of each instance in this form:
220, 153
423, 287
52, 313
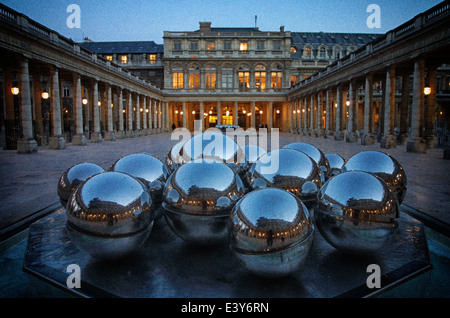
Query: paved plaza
29, 182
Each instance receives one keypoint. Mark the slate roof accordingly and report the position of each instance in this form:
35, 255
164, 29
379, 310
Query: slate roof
122, 47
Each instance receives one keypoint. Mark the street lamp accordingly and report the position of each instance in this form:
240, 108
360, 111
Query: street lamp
84, 101
15, 90
45, 94
427, 90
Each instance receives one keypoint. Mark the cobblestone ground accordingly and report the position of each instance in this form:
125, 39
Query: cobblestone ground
28, 183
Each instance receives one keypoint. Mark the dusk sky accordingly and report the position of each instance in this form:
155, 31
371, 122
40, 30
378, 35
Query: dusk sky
142, 20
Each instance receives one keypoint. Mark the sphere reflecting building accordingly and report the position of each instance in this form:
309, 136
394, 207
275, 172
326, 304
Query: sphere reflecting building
315, 153
356, 212
290, 170
173, 156
336, 163
149, 170
271, 232
73, 176
109, 215
384, 166
198, 198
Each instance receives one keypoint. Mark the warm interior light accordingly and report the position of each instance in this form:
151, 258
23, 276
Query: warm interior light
99, 103
260, 111
15, 90
44, 94
123, 111
244, 111
228, 113
141, 109
193, 112
278, 111
181, 113
427, 90
210, 112
84, 101
176, 112
347, 103
146, 110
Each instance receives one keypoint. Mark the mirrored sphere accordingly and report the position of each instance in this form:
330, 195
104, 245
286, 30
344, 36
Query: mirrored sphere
173, 156
212, 145
198, 198
356, 212
271, 232
288, 169
109, 215
336, 163
149, 170
73, 176
315, 153
384, 166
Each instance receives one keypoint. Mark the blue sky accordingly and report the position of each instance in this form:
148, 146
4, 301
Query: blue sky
144, 20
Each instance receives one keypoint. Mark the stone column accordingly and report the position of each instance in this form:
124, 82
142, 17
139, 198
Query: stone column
159, 116
430, 110
339, 134
121, 132
328, 132
96, 135
37, 99
155, 116
388, 139
144, 116
78, 139
368, 138
404, 110
130, 132
270, 126
417, 143
319, 130
253, 115
56, 140
219, 113
150, 116
304, 113
202, 118
137, 116
352, 135
184, 114
236, 114
109, 131
26, 143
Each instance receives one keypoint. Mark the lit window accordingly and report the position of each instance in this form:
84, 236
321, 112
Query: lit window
294, 80
109, 57
210, 46
307, 52
243, 46
244, 81
124, 59
293, 49
194, 78
277, 80
152, 58
260, 78
210, 77
177, 80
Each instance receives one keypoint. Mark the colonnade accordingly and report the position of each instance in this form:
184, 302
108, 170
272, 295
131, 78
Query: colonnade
37, 106
393, 106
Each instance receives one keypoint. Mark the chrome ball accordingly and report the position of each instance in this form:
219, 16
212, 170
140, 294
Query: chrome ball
173, 156
149, 170
198, 198
356, 212
109, 215
290, 170
315, 153
271, 232
384, 166
73, 176
211, 146
336, 163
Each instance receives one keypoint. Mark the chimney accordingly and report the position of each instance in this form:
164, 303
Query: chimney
282, 28
205, 26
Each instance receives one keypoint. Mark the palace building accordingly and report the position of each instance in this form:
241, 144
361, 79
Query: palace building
358, 87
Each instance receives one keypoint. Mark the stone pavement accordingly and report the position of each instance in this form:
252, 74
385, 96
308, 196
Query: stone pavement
28, 183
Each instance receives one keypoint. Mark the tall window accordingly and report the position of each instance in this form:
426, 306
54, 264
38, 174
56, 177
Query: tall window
260, 45
260, 78
276, 45
227, 78
307, 52
177, 80
277, 80
177, 46
124, 59
210, 45
243, 46
109, 57
227, 45
194, 78
152, 58
244, 81
194, 46
322, 53
210, 75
